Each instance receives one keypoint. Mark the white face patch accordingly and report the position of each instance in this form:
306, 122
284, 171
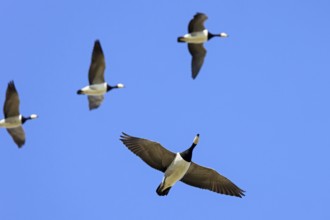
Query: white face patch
196, 139
223, 34
119, 85
33, 116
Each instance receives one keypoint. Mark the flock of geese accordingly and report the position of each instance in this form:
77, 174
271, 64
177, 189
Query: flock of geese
175, 166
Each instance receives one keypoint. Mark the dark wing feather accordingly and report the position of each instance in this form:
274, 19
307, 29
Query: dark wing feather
210, 179
97, 67
197, 23
150, 152
94, 101
11, 106
198, 53
18, 135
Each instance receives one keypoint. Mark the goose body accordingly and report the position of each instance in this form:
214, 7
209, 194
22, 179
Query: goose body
196, 37
179, 167
13, 120
173, 174
94, 89
97, 86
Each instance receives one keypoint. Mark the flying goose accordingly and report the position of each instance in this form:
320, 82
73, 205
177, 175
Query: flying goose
179, 167
97, 85
195, 38
13, 119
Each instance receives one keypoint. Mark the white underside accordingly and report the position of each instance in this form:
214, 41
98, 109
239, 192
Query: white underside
175, 171
196, 37
96, 89
11, 122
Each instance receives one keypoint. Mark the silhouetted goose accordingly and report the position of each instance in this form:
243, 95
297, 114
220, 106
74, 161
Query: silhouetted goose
13, 119
195, 38
179, 167
97, 85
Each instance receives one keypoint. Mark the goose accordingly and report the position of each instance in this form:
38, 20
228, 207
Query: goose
179, 167
13, 120
97, 86
195, 38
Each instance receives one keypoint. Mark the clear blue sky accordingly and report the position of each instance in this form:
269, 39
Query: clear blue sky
260, 104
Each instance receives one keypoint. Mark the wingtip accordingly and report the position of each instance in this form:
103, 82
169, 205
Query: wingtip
92, 107
123, 136
199, 13
97, 45
194, 73
240, 193
20, 144
11, 83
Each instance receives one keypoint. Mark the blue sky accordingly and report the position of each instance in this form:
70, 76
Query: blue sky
260, 104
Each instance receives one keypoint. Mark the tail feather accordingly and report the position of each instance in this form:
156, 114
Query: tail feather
181, 39
162, 192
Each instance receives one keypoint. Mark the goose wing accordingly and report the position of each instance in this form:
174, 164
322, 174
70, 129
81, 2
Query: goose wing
154, 154
11, 106
18, 135
210, 179
97, 67
197, 23
198, 53
94, 101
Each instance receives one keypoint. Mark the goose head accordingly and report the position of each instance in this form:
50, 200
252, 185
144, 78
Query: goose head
118, 86
33, 116
222, 34
187, 154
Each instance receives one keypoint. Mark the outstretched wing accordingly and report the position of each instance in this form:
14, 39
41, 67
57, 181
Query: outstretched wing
210, 179
197, 23
94, 101
154, 154
97, 67
18, 135
198, 53
11, 106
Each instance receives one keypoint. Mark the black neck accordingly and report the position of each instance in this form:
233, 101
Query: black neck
109, 87
25, 119
187, 154
210, 35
